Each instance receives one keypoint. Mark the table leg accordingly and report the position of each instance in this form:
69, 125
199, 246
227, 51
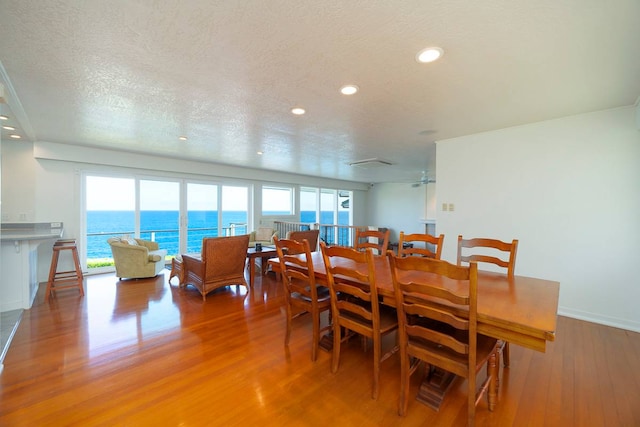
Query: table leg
252, 271
326, 341
434, 387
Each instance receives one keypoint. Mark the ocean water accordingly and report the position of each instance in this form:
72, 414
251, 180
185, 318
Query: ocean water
163, 227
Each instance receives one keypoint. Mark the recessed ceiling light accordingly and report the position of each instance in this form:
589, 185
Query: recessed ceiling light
8, 128
429, 54
14, 136
4, 118
260, 153
182, 138
298, 111
349, 89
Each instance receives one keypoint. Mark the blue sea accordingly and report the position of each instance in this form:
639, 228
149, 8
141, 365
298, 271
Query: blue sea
162, 227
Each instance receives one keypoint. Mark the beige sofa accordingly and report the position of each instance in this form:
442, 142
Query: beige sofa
136, 258
263, 235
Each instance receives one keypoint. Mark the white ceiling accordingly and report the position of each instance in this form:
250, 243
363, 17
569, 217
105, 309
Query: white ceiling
135, 75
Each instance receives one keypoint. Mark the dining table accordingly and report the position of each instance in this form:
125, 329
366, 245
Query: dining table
521, 310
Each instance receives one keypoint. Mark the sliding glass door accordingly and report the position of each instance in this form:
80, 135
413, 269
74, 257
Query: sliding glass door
202, 214
235, 210
110, 210
160, 213
177, 214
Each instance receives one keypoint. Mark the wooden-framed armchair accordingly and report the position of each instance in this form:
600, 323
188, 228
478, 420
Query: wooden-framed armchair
222, 263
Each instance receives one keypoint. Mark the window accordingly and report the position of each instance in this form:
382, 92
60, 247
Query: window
332, 210
309, 205
277, 201
235, 210
110, 205
177, 214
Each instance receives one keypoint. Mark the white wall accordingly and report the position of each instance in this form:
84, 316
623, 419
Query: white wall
398, 206
18, 182
569, 190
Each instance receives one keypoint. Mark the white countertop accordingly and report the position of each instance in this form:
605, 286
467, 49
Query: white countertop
30, 231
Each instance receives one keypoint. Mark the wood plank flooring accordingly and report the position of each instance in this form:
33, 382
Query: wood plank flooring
145, 353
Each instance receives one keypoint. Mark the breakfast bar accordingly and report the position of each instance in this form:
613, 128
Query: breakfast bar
20, 241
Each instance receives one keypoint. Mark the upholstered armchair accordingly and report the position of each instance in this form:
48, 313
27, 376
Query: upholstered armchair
263, 235
221, 264
136, 258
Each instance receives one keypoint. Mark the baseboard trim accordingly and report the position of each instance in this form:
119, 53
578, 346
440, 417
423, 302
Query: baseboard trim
615, 322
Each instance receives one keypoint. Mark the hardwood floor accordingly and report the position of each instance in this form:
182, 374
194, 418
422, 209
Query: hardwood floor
142, 352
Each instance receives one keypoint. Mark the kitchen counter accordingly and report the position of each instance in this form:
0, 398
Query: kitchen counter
19, 280
31, 231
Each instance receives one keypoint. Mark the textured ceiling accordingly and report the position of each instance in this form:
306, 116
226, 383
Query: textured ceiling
135, 75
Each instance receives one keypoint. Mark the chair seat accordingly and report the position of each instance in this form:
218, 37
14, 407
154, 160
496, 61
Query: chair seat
388, 318
485, 346
323, 295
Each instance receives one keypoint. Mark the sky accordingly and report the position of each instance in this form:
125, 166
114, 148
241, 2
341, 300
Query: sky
109, 193
106, 193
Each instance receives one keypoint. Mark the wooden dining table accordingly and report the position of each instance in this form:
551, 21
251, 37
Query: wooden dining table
521, 310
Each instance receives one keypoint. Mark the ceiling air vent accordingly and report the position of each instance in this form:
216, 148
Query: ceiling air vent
370, 163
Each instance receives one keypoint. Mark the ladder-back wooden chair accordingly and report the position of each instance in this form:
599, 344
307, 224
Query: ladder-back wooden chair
301, 291
363, 240
438, 325
422, 244
354, 303
492, 251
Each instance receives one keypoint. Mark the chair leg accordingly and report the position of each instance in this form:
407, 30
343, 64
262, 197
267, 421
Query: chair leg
335, 360
493, 372
376, 366
52, 274
403, 402
287, 334
316, 333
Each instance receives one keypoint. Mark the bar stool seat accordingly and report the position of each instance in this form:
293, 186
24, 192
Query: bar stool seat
64, 279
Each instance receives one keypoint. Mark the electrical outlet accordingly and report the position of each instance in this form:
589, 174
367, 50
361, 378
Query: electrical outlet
451, 207
22, 217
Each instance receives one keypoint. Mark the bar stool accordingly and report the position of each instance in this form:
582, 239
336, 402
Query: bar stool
64, 279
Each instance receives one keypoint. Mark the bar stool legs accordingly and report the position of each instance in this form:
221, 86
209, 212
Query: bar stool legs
64, 279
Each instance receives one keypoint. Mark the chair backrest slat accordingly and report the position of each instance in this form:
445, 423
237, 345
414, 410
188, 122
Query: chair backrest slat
363, 240
296, 266
418, 285
421, 245
351, 273
484, 250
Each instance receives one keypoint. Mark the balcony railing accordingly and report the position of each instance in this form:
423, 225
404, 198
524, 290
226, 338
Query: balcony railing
98, 248
331, 234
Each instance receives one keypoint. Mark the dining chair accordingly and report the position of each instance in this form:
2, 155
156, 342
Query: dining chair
363, 240
439, 326
492, 251
421, 245
301, 291
310, 235
354, 303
